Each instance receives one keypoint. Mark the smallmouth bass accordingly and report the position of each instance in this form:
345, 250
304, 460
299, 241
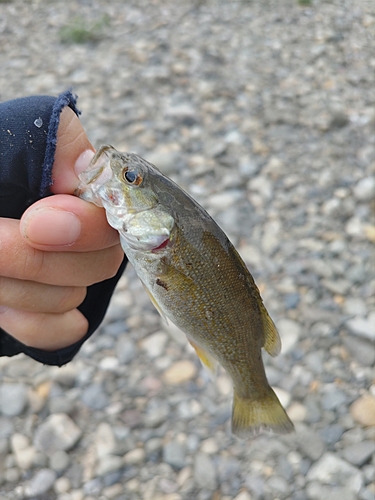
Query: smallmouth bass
194, 277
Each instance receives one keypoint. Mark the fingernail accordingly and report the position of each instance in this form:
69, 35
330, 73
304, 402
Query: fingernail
83, 161
51, 226
3, 309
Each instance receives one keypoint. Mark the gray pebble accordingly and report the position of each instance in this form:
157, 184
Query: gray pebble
126, 350
316, 491
204, 471
299, 495
164, 159
112, 478
12, 475
279, 485
354, 306
362, 350
57, 432
95, 397
75, 475
109, 463
248, 167
315, 361
292, 300
310, 444
13, 399
4, 447
367, 494
331, 434
93, 487
313, 409
330, 469
156, 414
61, 404
333, 398
153, 445
338, 286
365, 189
6, 427
359, 453
362, 326
174, 454
290, 332
66, 375
41, 482
284, 468
255, 484
59, 461
227, 468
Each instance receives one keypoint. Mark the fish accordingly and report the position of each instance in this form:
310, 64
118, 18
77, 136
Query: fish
195, 278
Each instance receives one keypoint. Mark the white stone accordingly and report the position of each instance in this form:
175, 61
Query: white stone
283, 396
204, 471
23, 452
113, 491
261, 185
62, 485
13, 399
354, 306
244, 495
362, 327
365, 189
108, 463
224, 384
209, 446
154, 344
330, 469
57, 432
19, 442
40, 483
109, 363
297, 412
180, 372
105, 441
289, 331
271, 236
135, 456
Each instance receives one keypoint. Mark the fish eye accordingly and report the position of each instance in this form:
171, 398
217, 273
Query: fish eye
132, 177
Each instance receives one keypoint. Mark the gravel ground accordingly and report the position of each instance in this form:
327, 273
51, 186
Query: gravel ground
265, 112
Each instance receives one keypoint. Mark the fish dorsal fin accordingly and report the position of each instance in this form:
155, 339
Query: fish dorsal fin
155, 303
272, 342
207, 360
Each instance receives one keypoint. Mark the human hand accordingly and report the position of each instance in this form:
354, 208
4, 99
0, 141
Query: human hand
60, 246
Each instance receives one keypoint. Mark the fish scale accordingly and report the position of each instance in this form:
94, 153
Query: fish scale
194, 277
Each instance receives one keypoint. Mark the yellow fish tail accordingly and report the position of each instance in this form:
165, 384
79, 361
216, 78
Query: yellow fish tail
251, 415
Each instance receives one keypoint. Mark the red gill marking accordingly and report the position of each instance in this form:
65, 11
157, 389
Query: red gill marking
160, 247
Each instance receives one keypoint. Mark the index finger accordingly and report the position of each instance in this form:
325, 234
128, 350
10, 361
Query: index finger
73, 153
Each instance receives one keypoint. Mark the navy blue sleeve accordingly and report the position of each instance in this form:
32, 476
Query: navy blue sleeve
28, 134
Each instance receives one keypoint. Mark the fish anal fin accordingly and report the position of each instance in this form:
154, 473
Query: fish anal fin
251, 415
207, 360
155, 303
272, 342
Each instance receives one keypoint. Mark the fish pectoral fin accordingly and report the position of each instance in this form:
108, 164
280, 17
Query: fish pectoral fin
272, 342
207, 360
250, 415
155, 303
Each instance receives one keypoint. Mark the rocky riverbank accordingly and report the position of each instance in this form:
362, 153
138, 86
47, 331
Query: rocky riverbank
264, 111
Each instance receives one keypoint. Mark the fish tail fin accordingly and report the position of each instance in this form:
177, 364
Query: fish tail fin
251, 415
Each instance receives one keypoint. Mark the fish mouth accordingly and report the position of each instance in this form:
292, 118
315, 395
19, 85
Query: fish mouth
97, 175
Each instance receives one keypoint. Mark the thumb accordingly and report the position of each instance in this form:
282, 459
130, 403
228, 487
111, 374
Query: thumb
73, 153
